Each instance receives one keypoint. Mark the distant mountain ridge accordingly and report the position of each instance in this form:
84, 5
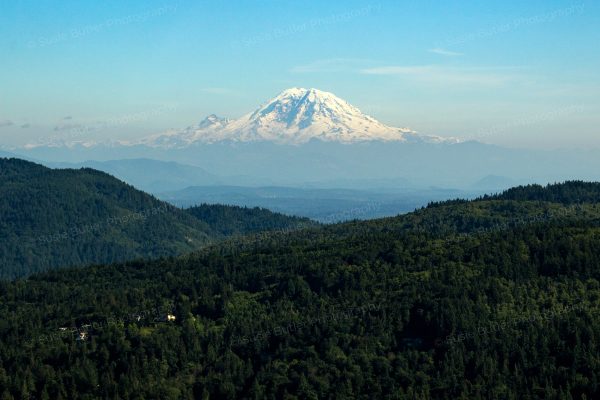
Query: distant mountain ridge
357, 166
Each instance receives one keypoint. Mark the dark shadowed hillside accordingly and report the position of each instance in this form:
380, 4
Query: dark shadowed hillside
57, 218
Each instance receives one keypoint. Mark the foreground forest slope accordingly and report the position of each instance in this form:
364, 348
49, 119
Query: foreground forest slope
487, 299
56, 218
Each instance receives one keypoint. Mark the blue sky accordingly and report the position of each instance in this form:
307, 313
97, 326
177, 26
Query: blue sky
520, 74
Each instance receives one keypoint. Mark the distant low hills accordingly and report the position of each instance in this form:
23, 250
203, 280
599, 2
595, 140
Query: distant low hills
467, 165
150, 175
325, 205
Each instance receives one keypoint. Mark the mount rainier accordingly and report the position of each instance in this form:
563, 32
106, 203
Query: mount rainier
295, 116
311, 137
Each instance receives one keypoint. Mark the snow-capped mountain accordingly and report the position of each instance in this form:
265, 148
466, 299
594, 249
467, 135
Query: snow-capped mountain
295, 116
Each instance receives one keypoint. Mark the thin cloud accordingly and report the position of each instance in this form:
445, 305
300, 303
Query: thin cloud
444, 52
68, 117
5, 122
25, 126
447, 75
66, 127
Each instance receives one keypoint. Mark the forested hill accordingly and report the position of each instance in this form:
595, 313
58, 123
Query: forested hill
56, 218
489, 299
234, 220
568, 193
571, 192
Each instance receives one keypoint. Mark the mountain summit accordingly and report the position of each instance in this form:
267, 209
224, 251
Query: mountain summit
295, 116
